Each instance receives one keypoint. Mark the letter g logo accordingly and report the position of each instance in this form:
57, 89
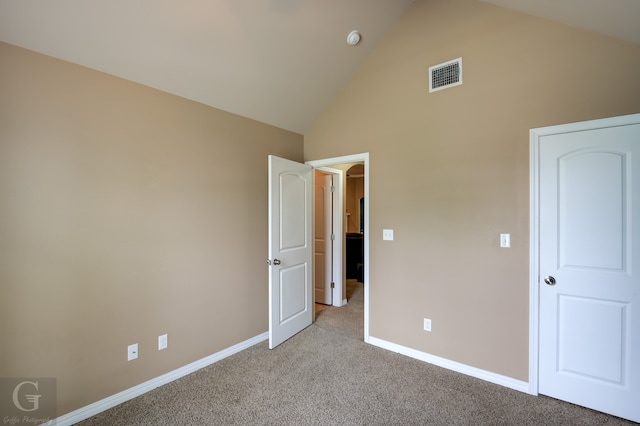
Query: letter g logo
34, 399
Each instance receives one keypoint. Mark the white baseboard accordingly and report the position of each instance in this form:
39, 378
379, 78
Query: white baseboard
113, 400
452, 365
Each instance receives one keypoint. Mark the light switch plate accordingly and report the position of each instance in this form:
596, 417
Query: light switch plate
162, 342
505, 240
427, 324
387, 234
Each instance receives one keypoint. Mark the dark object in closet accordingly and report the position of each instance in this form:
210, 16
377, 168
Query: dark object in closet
355, 256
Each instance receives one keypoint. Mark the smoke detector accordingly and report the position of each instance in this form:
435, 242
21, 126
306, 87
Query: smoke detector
353, 38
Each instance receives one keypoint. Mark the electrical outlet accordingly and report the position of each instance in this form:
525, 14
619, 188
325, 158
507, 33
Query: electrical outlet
162, 342
427, 324
132, 352
387, 234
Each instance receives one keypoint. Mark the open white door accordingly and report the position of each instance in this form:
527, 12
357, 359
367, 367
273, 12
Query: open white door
323, 233
589, 272
290, 249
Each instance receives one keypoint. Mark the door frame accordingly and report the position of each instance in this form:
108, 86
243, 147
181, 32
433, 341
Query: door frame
335, 161
534, 242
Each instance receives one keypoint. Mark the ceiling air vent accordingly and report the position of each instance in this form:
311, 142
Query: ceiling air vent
445, 75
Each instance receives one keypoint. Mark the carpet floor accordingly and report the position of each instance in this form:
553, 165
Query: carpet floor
327, 375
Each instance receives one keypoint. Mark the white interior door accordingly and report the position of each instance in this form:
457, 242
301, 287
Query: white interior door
290, 249
323, 244
589, 268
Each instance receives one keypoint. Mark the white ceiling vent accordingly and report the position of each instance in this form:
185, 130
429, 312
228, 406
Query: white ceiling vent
445, 75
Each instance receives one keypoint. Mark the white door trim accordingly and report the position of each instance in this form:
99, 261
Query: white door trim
355, 158
534, 242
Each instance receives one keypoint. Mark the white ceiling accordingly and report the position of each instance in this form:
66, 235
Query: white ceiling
276, 61
615, 18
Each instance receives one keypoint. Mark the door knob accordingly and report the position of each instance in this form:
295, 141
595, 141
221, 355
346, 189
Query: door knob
550, 280
276, 261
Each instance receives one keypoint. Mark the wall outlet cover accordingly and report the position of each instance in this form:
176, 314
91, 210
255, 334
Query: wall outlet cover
132, 352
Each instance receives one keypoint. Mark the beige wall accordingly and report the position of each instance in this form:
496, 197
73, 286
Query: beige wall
450, 170
125, 213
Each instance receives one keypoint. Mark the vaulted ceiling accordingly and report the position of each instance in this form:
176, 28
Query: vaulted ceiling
276, 61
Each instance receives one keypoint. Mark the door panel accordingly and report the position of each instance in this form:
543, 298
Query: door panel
323, 243
290, 249
592, 182
590, 317
293, 295
293, 217
604, 319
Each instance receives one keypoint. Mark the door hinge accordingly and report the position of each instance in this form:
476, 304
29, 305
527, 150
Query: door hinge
333, 285
333, 188
333, 237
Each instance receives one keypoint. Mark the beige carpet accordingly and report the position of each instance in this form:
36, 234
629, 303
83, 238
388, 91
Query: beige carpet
327, 375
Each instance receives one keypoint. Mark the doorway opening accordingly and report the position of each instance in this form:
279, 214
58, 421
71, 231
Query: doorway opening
359, 213
354, 215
